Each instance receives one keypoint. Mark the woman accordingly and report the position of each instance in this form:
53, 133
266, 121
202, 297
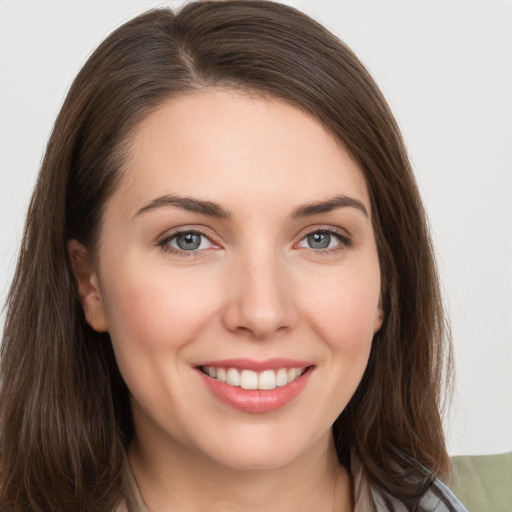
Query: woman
226, 278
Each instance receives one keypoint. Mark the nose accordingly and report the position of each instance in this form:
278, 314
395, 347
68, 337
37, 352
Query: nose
261, 298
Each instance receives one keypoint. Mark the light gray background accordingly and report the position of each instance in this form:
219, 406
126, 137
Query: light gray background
445, 67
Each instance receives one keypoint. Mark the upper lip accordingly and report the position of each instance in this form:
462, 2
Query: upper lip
256, 365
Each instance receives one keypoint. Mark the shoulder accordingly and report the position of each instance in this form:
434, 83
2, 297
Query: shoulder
441, 499
368, 498
438, 498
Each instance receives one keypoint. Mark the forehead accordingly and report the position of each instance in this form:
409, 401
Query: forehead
224, 145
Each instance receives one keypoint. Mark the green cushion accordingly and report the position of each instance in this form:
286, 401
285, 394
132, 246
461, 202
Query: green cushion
483, 483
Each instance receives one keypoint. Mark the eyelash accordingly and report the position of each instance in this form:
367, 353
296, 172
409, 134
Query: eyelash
344, 242
164, 243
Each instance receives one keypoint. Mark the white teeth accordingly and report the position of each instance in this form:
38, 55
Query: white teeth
233, 377
248, 379
281, 377
267, 380
292, 373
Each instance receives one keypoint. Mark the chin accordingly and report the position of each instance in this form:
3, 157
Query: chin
250, 461
257, 451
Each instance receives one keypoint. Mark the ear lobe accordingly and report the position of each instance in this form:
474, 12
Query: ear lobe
379, 319
88, 287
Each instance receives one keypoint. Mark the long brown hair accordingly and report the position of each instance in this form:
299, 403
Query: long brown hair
65, 419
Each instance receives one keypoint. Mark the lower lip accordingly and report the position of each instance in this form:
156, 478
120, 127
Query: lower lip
257, 400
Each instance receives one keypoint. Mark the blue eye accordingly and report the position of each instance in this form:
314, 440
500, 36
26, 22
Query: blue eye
187, 241
322, 239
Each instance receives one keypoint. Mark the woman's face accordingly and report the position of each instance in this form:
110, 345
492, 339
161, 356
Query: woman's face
239, 244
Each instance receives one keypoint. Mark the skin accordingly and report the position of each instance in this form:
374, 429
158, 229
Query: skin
254, 289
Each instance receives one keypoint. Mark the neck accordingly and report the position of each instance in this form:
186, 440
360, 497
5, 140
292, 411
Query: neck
177, 479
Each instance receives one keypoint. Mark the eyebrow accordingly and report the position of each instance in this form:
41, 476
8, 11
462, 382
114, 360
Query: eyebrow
329, 205
187, 203
212, 209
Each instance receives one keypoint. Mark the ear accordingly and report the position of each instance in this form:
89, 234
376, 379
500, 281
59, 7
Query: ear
379, 317
88, 287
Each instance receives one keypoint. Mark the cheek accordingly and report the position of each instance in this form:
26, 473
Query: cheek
344, 309
157, 310
153, 317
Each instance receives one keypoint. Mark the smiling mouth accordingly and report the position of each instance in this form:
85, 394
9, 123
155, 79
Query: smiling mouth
249, 379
